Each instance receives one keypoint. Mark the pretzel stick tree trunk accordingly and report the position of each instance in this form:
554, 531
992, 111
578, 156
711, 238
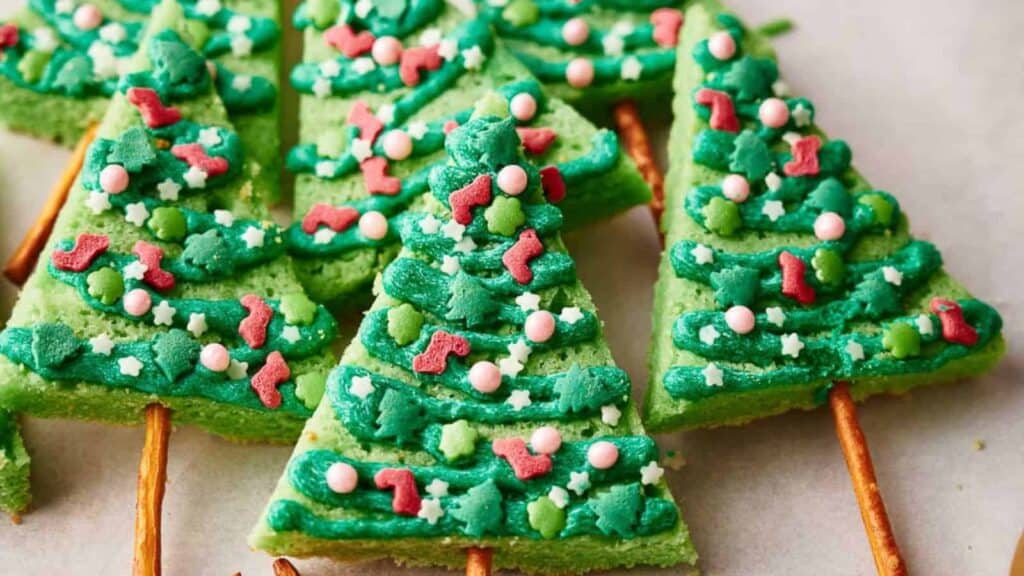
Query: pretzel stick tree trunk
152, 480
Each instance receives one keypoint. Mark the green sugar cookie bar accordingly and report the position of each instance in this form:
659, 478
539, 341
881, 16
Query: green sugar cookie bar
381, 86
593, 53
14, 467
785, 270
60, 61
479, 404
164, 279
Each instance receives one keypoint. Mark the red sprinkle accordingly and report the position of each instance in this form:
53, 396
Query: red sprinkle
416, 59
794, 285
667, 22
337, 219
524, 464
553, 183
406, 500
8, 35
955, 328
477, 193
449, 126
369, 125
517, 258
153, 111
87, 248
343, 39
376, 178
265, 382
723, 113
536, 140
253, 328
805, 157
151, 255
434, 360
195, 155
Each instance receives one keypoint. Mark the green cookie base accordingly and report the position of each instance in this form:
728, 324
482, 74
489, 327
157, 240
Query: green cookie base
15, 494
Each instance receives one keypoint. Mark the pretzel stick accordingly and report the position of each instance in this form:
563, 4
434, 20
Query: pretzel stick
478, 561
634, 138
152, 479
24, 258
888, 561
282, 567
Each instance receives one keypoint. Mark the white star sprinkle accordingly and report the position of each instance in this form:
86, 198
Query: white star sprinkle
579, 482
113, 33
45, 40
291, 334
571, 314
361, 387
651, 473
466, 245
238, 370
136, 213
363, 8
130, 366
325, 169
104, 63
253, 237
623, 28
196, 324
855, 350
520, 350
102, 344
611, 414
208, 7
386, 114
613, 45
631, 68
324, 236
559, 496
429, 224
780, 88
801, 116
892, 275
417, 130
708, 334
791, 345
510, 367
773, 181
360, 149
224, 218
209, 137
775, 315
473, 58
98, 202
330, 68
163, 314
453, 230
773, 209
713, 375
430, 510
64, 6
242, 82
195, 177
168, 190
135, 270
702, 254
437, 488
447, 49
924, 325
450, 265
238, 24
528, 301
430, 37
321, 87
363, 65
519, 399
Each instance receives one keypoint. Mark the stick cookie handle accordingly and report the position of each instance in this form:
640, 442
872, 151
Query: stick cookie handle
478, 561
152, 481
638, 146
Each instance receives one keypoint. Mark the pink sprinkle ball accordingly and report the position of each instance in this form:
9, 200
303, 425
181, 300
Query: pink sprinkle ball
722, 46
512, 179
575, 31
774, 113
88, 17
215, 357
579, 73
736, 188
829, 226
523, 106
373, 225
485, 377
114, 179
740, 319
342, 478
540, 326
137, 302
602, 455
397, 145
387, 50
546, 440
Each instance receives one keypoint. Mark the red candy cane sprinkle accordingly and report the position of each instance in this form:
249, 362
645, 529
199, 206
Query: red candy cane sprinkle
253, 329
338, 219
723, 113
406, 498
477, 193
376, 179
87, 248
955, 328
524, 465
344, 40
153, 111
794, 283
151, 256
434, 360
536, 140
265, 382
805, 157
517, 258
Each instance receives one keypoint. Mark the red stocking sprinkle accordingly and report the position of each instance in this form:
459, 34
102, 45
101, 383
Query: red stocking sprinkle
343, 39
406, 500
337, 219
723, 113
254, 328
477, 193
265, 382
434, 360
368, 124
536, 140
794, 284
376, 179
87, 248
524, 464
416, 59
150, 256
449, 126
805, 157
517, 258
667, 22
955, 329
553, 183
195, 155
8, 35
153, 111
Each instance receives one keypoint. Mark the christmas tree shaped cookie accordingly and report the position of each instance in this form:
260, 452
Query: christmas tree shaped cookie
60, 61
164, 279
382, 84
785, 271
14, 467
479, 404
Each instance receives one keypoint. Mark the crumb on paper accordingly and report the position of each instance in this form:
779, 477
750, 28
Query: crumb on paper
979, 445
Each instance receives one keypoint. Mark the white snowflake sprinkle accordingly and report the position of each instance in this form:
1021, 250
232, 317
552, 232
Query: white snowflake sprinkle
775, 315
651, 473
450, 265
713, 375
571, 314
780, 88
559, 496
360, 149
702, 254
528, 301
386, 114
773, 209
98, 202
361, 387
519, 399
113, 33
324, 236
254, 237
322, 87
579, 482
363, 65
892, 275
510, 367
168, 190
437, 488
453, 230
102, 344
466, 245
611, 414
631, 68
363, 8
291, 334
195, 177
239, 24
623, 28
791, 345
238, 370
330, 68
447, 49
197, 324
64, 6
224, 218
855, 350
208, 7
130, 366
925, 325
241, 83
209, 137
613, 45
325, 169
430, 510
430, 37
773, 181
136, 213
45, 40
708, 334
417, 130
163, 314
520, 350
429, 224
801, 116
134, 270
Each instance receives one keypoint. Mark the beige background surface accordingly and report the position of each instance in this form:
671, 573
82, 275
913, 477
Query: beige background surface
929, 95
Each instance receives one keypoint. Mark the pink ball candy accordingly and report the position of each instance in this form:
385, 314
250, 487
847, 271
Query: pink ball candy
579, 73
485, 377
137, 302
373, 225
215, 357
575, 31
87, 17
602, 455
736, 188
397, 145
546, 440
387, 50
829, 226
342, 478
540, 326
523, 106
740, 319
722, 46
512, 179
773, 113
114, 179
